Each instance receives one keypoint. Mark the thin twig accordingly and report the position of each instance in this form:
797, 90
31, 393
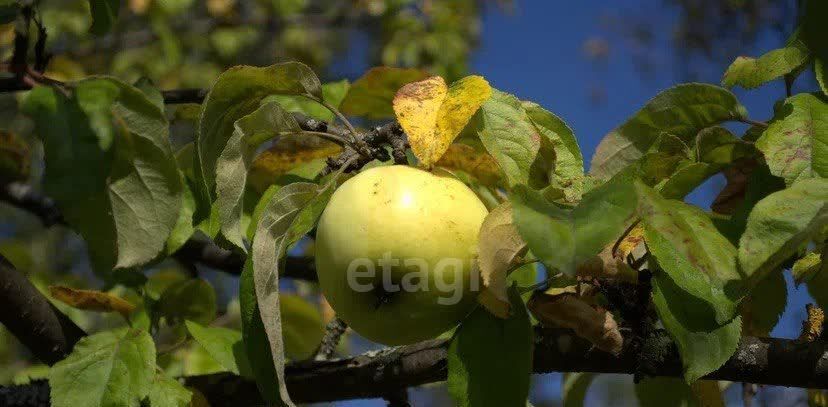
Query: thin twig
333, 334
753, 122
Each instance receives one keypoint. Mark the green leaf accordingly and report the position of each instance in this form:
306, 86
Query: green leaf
698, 259
751, 73
569, 163
224, 345
524, 155
490, 359
795, 144
332, 94
813, 34
702, 351
232, 165
575, 386
237, 93
110, 368
664, 391
104, 14
147, 86
167, 392
183, 229
682, 110
127, 168
780, 224
814, 269
808, 266
193, 299
371, 95
614, 203
821, 73
717, 145
255, 339
548, 230
290, 214
676, 170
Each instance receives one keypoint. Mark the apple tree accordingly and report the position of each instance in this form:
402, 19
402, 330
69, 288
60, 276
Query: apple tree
289, 182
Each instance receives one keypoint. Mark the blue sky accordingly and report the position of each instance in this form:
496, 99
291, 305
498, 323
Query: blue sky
536, 54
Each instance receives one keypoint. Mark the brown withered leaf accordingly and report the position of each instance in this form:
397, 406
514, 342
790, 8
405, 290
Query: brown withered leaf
500, 248
567, 310
472, 161
91, 300
732, 195
812, 326
611, 262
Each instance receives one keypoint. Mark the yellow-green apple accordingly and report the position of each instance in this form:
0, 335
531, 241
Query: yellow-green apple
395, 253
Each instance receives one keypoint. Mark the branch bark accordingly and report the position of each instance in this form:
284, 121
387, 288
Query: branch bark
377, 374
32, 319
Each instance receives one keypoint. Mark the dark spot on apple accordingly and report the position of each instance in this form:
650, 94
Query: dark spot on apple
383, 296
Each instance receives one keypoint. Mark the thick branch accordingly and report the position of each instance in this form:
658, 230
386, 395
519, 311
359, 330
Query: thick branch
50, 336
377, 374
32, 319
211, 255
374, 375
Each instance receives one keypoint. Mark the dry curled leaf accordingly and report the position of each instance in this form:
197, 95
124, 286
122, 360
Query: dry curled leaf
433, 114
607, 264
567, 310
91, 300
732, 195
500, 248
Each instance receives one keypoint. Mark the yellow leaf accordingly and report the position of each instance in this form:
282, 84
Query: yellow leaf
91, 300
433, 114
499, 250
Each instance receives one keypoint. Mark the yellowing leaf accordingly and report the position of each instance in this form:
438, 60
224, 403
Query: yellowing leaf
91, 300
630, 241
284, 157
474, 162
499, 249
433, 114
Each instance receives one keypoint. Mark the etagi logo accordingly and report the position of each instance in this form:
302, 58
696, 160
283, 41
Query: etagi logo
392, 275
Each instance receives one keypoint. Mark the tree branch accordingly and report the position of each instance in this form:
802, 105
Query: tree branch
781, 362
194, 251
50, 335
32, 319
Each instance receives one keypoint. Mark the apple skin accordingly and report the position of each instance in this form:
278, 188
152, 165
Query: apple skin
410, 214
